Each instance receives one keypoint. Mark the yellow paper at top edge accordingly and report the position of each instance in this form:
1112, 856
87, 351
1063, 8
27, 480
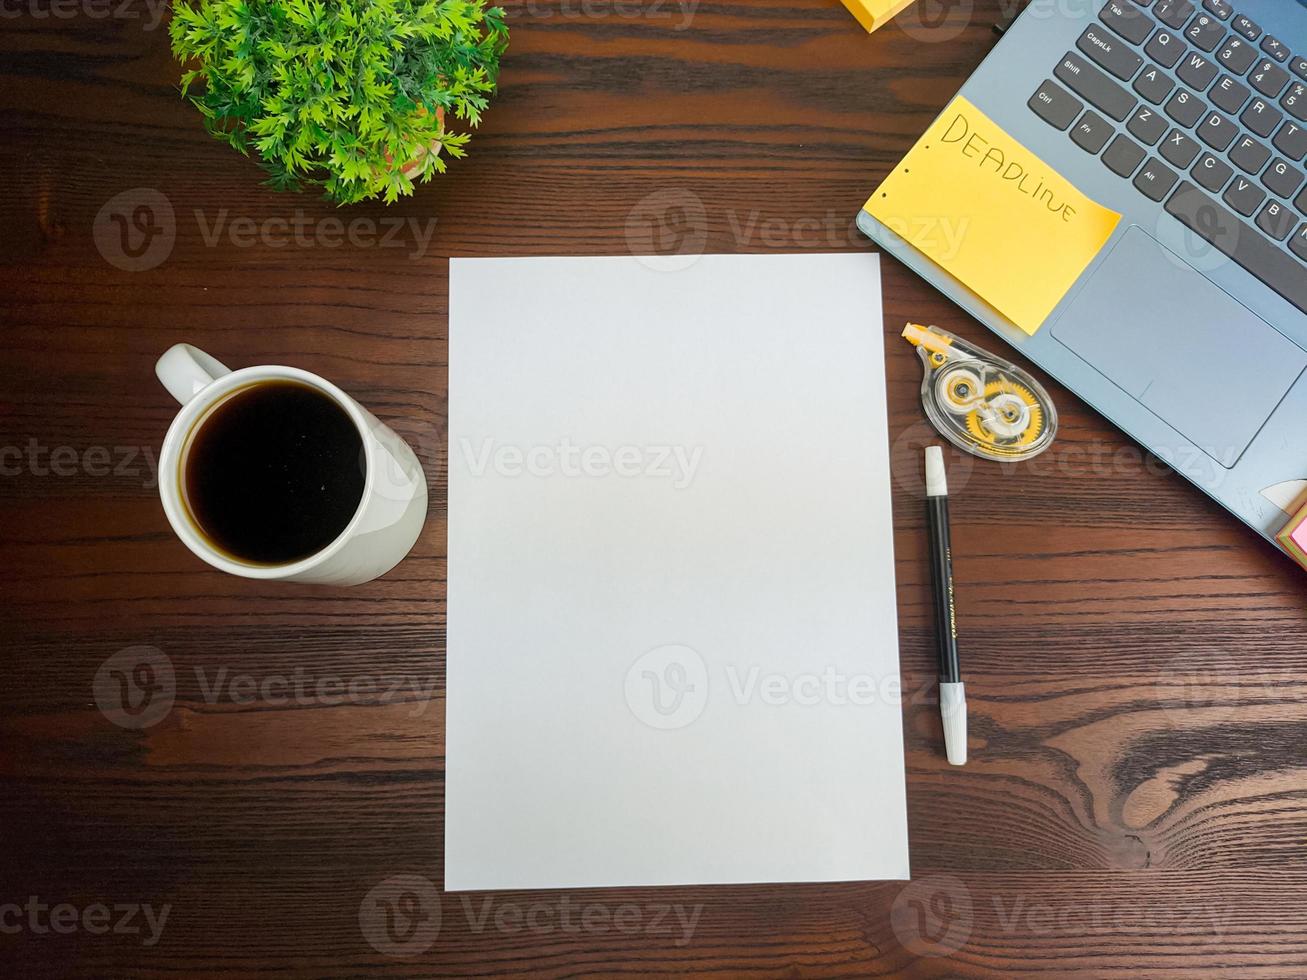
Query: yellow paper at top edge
1293, 537
871, 14
993, 214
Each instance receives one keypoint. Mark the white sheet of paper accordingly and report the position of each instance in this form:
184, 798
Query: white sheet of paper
672, 637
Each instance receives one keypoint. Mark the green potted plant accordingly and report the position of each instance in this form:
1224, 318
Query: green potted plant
354, 96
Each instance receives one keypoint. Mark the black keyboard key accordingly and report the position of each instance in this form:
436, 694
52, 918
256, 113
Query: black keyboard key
1275, 48
1301, 202
1269, 78
1236, 55
1153, 85
1127, 20
1295, 101
1217, 131
1148, 125
1124, 156
1212, 172
1095, 87
1166, 48
1244, 196
1261, 117
1229, 95
1186, 108
1155, 180
1282, 177
1092, 132
1180, 149
1249, 155
1173, 13
1299, 67
1276, 220
1247, 28
1196, 71
1291, 140
1298, 243
1055, 105
1220, 8
1214, 223
1110, 52
1205, 32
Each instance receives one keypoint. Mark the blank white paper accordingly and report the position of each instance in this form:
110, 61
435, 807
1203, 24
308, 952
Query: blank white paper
672, 638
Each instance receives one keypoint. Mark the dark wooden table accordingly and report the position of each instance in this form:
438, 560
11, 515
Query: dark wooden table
1137, 799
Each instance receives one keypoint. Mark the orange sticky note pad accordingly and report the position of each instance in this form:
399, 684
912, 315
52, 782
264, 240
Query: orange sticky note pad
872, 14
1293, 537
992, 213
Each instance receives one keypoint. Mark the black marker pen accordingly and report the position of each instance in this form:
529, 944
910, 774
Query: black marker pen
952, 695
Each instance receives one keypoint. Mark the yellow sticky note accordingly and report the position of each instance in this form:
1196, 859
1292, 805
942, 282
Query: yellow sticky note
1294, 537
993, 214
872, 13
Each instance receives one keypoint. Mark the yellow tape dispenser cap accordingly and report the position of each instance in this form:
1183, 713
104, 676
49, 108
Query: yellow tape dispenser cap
980, 402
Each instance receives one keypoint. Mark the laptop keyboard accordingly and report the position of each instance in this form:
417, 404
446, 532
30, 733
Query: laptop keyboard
1204, 113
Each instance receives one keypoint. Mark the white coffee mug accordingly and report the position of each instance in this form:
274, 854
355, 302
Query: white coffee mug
389, 516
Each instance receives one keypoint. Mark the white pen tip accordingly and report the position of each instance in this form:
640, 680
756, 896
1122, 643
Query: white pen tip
936, 481
953, 711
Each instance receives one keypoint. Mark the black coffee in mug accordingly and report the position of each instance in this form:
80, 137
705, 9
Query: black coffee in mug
273, 473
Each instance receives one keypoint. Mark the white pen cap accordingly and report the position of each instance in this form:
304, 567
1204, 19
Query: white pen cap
936, 481
953, 710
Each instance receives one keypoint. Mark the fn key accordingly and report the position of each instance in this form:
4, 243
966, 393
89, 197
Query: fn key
1055, 105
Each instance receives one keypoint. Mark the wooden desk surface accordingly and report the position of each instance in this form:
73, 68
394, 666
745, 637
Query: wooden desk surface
1137, 799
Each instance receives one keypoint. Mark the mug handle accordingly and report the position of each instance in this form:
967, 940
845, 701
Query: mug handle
185, 370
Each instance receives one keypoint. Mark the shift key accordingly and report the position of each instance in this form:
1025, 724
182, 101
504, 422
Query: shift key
1095, 87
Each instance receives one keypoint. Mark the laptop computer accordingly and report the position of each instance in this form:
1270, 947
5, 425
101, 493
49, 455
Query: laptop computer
1189, 328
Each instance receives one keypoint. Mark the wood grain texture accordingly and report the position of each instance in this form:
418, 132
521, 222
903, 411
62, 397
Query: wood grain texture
1137, 800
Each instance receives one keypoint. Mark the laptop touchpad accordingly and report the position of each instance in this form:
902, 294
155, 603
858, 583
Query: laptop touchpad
1195, 357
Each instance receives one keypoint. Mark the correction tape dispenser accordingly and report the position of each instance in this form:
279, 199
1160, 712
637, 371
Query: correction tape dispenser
979, 402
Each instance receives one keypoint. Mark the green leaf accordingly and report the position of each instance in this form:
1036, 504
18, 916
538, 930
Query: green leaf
340, 94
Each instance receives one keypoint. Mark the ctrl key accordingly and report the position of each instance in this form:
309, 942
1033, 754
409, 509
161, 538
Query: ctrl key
1055, 105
